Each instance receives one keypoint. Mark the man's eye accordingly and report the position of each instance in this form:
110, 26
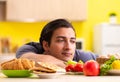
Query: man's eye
73, 41
60, 40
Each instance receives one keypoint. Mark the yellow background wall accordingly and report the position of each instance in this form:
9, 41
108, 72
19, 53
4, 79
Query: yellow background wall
97, 10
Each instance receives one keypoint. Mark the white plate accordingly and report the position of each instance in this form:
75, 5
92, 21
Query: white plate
114, 72
49, 75
74, 73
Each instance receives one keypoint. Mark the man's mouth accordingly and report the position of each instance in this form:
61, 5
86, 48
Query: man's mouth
67, 54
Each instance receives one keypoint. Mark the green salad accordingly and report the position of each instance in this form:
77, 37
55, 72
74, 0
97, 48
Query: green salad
106, 66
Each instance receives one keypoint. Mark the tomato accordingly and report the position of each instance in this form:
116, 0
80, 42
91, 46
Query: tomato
69, 68
91, 68
73, 66
78, 67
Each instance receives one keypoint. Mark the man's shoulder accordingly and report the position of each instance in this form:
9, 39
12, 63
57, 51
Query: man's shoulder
33, 43
80, 51
84, 55
36, 45
83, 52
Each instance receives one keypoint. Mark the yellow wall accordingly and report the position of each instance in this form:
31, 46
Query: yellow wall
21, 32
98, 12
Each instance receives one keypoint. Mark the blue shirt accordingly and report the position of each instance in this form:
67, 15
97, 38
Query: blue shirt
37, 48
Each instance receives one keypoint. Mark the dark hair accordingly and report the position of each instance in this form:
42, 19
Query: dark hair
48, 29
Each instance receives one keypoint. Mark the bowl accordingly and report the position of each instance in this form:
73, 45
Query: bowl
17, 73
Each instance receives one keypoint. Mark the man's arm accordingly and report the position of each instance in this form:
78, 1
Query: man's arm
43, 58
31, 52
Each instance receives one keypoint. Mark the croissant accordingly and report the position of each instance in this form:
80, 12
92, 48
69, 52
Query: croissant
18, 64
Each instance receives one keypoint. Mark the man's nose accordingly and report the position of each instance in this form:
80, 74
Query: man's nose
68, 45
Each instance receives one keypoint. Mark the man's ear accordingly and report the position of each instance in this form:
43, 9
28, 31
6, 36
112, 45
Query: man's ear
45, 45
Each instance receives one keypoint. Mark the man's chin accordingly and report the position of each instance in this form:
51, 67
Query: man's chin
66, 59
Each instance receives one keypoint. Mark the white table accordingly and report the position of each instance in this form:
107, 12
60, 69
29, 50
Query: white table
64, 78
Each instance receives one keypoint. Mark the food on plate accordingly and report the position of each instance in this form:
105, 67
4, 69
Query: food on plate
91, 68
74, 66
109, 62
45, 67
69, 68
78, 67
103, 58
106, 67
18, 64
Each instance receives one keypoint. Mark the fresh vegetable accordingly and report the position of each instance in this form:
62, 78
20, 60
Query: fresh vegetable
72, 66
69, 68
107, 66
70, 62
78, 67
116, 64
91, 68
80, 61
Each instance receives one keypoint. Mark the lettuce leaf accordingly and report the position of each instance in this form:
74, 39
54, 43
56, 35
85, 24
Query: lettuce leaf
106, 66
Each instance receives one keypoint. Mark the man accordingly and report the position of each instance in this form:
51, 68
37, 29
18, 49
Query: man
57, 44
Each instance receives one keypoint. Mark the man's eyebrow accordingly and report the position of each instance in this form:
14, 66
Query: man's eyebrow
65, 37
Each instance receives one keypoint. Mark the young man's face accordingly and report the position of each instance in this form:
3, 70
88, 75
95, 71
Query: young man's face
63, 44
